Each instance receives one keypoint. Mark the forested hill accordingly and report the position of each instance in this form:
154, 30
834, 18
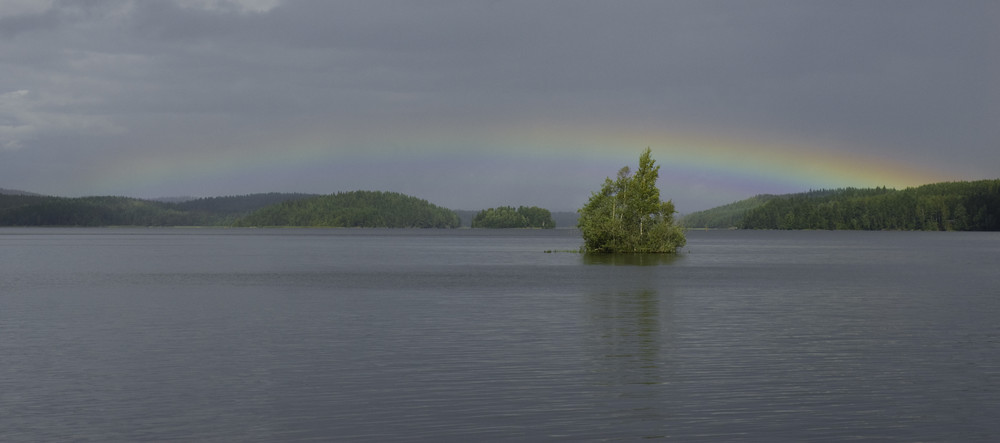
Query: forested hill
949, 206
372, 209
17, 192
239, 204
727, 216
37, 210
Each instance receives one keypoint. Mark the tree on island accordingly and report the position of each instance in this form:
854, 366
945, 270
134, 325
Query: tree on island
508, 217
628, 216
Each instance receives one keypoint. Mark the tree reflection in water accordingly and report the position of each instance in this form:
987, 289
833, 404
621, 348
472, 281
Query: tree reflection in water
630, 259
629, 341
631, 337
626, 337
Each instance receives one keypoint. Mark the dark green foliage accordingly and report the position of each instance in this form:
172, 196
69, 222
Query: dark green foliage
628, 216
501, 217
537, 217
35, 210
950, 206
89, 211
508, 217
369, 209
726, 216
239, 204
226, 210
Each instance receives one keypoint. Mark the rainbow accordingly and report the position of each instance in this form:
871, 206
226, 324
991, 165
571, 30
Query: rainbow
799, 164
736, 167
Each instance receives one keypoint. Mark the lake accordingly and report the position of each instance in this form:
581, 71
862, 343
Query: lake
481, 335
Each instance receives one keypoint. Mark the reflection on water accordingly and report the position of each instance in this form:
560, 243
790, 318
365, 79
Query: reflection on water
630, 259
630, 339
628, 325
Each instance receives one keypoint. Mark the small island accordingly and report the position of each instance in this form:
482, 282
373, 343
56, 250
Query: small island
627, 216
506, 217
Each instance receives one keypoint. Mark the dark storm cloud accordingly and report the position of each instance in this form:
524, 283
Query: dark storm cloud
903, 78
787, 60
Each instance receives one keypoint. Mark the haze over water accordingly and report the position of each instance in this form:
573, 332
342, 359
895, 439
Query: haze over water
383, 335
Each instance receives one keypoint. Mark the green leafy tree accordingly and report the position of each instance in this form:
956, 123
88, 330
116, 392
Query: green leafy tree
626, 215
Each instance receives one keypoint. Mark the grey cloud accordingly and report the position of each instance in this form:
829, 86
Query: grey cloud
25, 116
903, 77
12, 26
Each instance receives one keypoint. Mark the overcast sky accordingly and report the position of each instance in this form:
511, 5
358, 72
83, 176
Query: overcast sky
473, 104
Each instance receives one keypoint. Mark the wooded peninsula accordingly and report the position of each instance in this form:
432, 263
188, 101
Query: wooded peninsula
948, 206
371, 209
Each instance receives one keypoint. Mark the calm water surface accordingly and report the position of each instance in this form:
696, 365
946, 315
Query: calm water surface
463, 335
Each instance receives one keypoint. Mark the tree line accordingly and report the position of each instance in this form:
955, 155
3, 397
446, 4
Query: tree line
367, 209
360, 208
16, 210
509, 217
726, 216
948, 206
